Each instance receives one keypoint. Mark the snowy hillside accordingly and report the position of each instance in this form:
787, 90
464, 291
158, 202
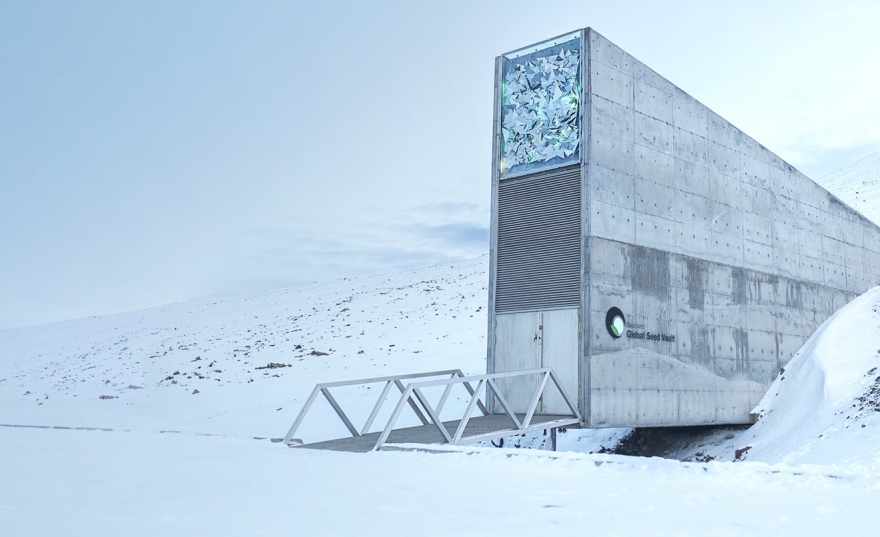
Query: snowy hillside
858, 185
201, 366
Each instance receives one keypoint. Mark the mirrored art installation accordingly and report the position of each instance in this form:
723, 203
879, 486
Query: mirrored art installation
539, 107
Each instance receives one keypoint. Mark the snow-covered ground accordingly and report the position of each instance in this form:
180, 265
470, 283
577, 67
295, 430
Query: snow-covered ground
143, 484
196, 366
157, 423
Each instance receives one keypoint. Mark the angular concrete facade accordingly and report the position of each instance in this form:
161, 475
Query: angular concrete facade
720, 258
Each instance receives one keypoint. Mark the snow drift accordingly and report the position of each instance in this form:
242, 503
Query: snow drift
824, 407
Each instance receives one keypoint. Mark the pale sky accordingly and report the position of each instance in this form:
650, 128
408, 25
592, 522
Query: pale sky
156, 151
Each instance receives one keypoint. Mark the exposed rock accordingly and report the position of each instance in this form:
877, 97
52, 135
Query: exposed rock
737, 455
272, 365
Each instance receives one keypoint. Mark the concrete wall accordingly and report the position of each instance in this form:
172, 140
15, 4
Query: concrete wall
723, 258
697, 231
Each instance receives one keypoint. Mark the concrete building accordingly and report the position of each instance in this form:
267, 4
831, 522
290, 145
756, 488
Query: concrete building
662, 262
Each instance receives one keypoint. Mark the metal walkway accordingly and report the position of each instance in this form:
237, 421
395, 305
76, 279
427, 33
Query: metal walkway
468, 428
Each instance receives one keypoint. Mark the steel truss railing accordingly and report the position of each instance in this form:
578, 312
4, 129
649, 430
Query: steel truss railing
390, 382
412, 396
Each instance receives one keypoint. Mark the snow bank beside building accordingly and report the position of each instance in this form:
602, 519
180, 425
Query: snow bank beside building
824, 408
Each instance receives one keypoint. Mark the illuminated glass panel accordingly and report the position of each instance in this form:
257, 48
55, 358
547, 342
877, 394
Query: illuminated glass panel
540, 93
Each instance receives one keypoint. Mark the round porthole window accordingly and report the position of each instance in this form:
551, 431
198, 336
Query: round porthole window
615, 322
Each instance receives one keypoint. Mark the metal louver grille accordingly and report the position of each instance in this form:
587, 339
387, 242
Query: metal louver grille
539, 242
